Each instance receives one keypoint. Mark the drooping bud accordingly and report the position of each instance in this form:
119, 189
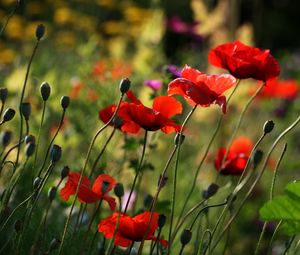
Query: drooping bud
268, 126
5, 138
54, 244
179, 139
8, 114
64, 172
148, 200
186, 237
45, 90
40, 31
161, 220
26, 110
210, 191
55, 153
37, 182
125, 85
65, 102
257, 157
52, 193
29, 139
3, 94
29, 149
119, 190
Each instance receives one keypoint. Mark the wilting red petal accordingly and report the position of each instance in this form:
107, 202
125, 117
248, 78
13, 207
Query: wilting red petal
167, 106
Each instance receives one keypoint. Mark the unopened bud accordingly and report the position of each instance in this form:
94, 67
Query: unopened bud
55, 153
26, 110
125, 85
148, 200
8, 114
52, 193
210, 191
161, 220
40, 31
162, 181
64, 172
117, 122
119, 190
186, 237
65, 102
29, 149
54, 244
29, 139
268, 126
5, 138
3, 94
257, 157
37, 182
179, 139
45, 90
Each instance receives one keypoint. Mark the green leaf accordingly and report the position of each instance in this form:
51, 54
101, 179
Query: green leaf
291, 227
293, 189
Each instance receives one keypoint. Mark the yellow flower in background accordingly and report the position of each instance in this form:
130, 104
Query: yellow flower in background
7, 2
7, 56
87, 24
15, 28
114, 27
136, 14
63, 16
35, 8
65, 38
106, 3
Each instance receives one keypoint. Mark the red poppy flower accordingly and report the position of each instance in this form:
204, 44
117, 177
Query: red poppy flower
87, 194
244, 61
280, 89
135, 115
130, 229
237, 157
200, 88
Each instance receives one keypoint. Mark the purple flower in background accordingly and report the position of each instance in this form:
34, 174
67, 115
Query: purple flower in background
175, 71
153, 84
125, 198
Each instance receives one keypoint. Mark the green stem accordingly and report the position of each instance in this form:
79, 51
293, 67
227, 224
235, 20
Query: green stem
10, 16
39, 133
273, 236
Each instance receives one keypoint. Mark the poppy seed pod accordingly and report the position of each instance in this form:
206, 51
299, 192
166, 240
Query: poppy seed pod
40, 31
257, 157
54, 244
65, 102
179, 139
5, 138
210, 191
36, 183
26, 110
119, 190
52, 193
64, 172
186, 237
125, 85
3, 94
161, 220
268, 126
117, 122
55, 153
8, 114
29, 139
45, 90
29, 149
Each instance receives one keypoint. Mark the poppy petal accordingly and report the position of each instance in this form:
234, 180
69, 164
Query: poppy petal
167, 106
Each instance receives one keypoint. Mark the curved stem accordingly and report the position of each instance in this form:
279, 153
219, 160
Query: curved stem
82, 173
39, 133
10, 16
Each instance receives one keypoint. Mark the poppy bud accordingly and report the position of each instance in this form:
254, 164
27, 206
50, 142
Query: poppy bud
45, 90
29, 149
8, 114
26, 110
65, 102
186, 237
179, 138
117, 121
55, 153
64, 172
148, 200
54, 244
125, 85
5, 138
29, 139
52, 193
40, 31
162, 181
3, 94
119, 190
257, 157
161, 220
268, 126
18, 225
211, 191
36, 183
104, 187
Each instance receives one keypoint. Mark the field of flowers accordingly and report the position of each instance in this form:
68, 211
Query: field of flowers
147, 127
